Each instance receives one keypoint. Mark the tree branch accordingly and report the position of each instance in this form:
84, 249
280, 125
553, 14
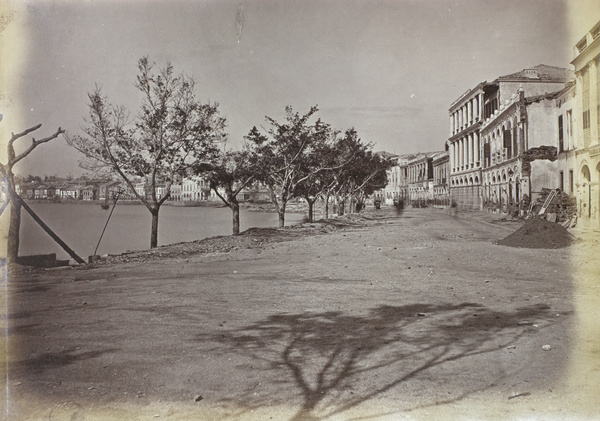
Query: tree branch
24, 133
34, 143
229, 204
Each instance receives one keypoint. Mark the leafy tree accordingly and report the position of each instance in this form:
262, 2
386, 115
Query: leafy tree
323, 160
171, 132
284, 158
363, 172
227, 177
12, 252
311, 189
34, 179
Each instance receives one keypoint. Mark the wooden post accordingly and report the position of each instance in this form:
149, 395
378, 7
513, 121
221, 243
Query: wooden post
50, 232
4, 205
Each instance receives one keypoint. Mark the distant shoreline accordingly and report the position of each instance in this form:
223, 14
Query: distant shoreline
124, 202
251, 207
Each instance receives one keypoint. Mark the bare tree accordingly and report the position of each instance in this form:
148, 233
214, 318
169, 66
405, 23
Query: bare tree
12, 252
172, 132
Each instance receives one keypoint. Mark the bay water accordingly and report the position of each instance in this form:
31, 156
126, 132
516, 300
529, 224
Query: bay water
80, 226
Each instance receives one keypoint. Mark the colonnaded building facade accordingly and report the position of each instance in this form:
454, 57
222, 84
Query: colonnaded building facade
508, 136
515, 137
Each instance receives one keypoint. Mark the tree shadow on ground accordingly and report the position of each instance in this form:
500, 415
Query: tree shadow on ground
336, 362
52, 360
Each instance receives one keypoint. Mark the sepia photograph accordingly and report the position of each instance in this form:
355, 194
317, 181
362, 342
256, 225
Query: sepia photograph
300, 210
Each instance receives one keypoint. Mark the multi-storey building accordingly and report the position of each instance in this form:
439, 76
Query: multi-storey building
468, 154
192, 190
520, 142
420, 178
391, 191
464, 146
567, 133
397, 188
585, 153
403, 189
441, 191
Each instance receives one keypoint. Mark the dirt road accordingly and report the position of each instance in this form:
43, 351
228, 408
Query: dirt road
417, 317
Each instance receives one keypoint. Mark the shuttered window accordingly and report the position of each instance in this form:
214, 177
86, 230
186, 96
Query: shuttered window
561, 139
585, 89
508, 143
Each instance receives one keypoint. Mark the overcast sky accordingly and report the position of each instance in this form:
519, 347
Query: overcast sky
390, 69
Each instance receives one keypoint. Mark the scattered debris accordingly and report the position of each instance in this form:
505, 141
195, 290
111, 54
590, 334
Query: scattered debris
520, 395
253, 238
561, 208
198, 398
546, 347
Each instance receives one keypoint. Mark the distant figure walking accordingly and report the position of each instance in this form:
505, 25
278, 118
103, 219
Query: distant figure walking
453, 208
399, 206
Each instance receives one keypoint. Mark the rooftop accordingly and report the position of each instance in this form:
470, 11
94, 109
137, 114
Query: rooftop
541, 72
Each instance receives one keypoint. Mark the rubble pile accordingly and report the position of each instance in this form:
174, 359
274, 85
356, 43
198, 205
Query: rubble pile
538, 233
562, 209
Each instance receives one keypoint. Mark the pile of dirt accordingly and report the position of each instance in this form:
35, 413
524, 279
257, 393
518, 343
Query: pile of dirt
538, 233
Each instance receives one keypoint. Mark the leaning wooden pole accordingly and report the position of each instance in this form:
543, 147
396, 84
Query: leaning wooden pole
49, 231
4, 205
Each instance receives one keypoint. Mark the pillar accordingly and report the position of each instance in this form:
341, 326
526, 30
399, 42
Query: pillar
593, 102
472, 150
477, 149
454, 156
469, 113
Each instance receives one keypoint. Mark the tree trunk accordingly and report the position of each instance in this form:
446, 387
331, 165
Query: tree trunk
14, 228
327, 206
311, 208
341, 206
281, 212
154, 232
235, 208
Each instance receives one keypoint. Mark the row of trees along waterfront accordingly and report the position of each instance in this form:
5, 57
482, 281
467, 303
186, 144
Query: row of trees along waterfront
174, 135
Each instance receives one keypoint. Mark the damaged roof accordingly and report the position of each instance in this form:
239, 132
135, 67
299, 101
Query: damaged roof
540, 72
